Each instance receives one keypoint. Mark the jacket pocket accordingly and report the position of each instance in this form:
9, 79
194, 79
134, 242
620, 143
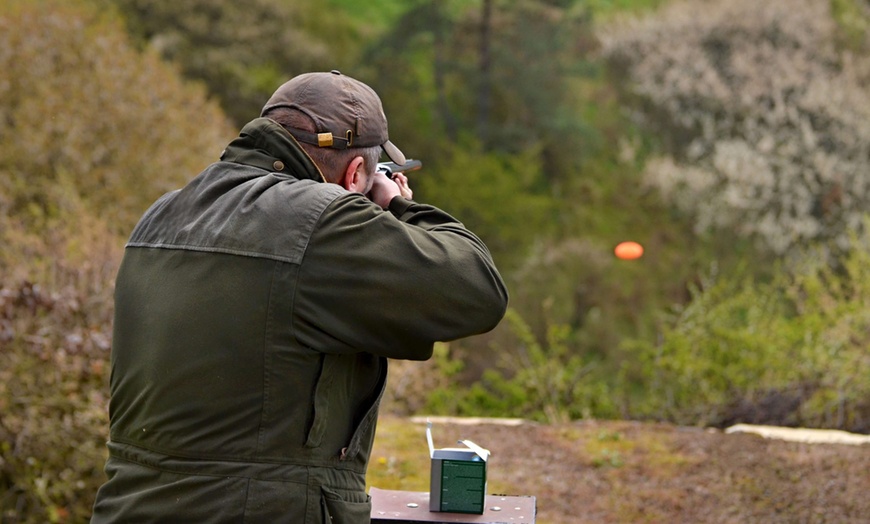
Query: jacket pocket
321, 402
275, 501
364, 433
345, 507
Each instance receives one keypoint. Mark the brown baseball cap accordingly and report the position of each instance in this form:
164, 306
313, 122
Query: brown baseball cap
346, 112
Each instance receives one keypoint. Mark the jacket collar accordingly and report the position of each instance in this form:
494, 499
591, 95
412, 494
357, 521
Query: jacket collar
263, 143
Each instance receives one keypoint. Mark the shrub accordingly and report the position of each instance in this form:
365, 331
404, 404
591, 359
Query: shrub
242, 51
543, 380
788, 351
53, 395
85, 117
495, 195
763, 119
90, 133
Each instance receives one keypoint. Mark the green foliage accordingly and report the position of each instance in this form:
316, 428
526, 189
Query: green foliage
379, 14
536, 379
53, 389
494, 194
87, 121
242, 50
782, 161
504, 75
853, 18
791, 350
606, 8
545, 178
528, 145
91, 132
608, 458
721, 343
549, 374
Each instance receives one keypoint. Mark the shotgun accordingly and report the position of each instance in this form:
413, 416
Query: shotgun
388, 168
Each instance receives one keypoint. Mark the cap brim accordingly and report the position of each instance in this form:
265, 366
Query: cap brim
393, 152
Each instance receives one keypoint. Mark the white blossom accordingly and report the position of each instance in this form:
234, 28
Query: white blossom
769, 123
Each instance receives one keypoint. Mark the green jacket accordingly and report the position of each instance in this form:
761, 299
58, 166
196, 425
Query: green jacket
255, 310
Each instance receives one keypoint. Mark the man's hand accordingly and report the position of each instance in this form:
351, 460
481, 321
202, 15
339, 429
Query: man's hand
402, 181
385, 189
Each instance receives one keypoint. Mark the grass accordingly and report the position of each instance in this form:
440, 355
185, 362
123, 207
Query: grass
400, 458
622, 471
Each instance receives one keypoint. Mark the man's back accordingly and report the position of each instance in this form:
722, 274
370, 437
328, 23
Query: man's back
254, 313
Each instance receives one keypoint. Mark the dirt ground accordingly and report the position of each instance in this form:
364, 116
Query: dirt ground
615, 472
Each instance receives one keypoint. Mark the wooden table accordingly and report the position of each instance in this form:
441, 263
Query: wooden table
407, 507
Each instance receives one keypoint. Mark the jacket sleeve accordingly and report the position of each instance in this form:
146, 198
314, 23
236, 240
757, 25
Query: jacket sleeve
393, 283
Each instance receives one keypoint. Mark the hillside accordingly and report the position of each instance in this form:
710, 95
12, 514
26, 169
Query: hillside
613, 472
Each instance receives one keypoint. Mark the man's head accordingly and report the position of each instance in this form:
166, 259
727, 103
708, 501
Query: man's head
336, 119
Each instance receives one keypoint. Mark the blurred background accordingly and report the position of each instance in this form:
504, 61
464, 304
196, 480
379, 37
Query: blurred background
730, 139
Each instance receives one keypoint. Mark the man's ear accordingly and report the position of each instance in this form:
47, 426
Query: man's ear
352, 179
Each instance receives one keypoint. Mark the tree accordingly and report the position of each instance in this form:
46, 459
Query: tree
764, 122
503, 74
791, 350
91, 132
88, 121
241, 50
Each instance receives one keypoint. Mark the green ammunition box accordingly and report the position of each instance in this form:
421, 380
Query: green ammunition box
457, 478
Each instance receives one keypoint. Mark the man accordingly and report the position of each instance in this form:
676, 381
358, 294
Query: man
255, 310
